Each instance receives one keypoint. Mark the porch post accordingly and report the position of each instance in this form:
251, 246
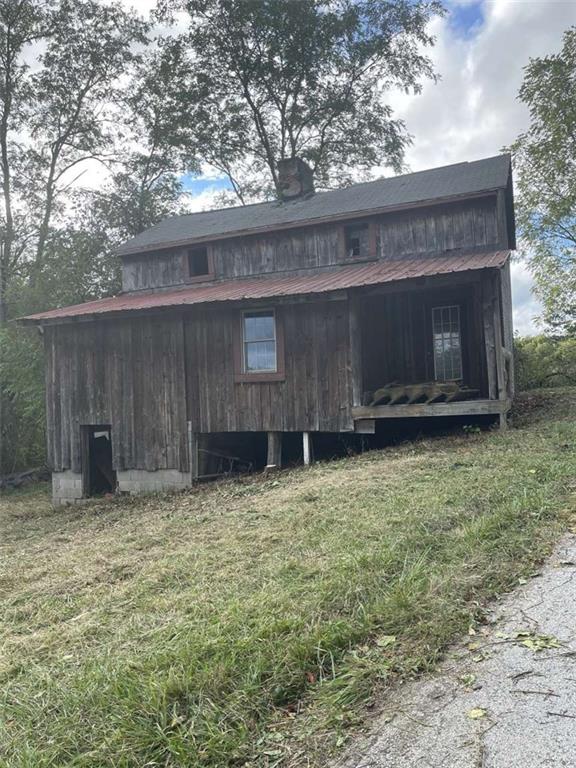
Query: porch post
306, 447
355, 342
274, 450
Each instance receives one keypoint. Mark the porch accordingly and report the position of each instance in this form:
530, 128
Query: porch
436, 347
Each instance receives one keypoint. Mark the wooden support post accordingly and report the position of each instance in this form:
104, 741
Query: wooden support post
489, 336
194, 457
507, 326
306, 447
503, 420
355, 346
274, 450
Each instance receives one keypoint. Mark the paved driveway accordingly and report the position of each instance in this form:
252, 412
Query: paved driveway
502, 699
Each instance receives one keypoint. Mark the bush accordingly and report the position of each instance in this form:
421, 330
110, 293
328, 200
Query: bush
545, 361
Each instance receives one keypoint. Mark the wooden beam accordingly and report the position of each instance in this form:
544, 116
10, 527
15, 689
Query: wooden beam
461, 408
355, 346
274, 450
489, 336
498, 339
306, 448
507, 325
194, 456
365, 426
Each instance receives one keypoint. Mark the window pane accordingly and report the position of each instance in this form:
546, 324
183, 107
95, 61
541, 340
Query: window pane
259, 327
357, 240
260, 356
447, 343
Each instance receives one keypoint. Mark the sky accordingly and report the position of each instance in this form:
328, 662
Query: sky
473, 111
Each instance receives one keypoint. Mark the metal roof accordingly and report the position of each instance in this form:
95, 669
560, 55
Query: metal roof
338, 279
413, 188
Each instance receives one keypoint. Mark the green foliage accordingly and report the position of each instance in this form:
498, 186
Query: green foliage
250, 623
22, 428
261, 81
544, 361
546, 182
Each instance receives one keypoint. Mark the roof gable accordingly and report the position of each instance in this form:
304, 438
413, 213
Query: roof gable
434, 185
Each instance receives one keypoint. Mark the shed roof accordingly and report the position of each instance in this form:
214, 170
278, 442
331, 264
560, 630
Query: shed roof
337, 279
435, 185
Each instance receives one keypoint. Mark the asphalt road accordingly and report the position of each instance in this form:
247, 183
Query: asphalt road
504, 698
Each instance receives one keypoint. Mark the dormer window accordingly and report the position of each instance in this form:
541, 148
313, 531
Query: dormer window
200, 263
357, 240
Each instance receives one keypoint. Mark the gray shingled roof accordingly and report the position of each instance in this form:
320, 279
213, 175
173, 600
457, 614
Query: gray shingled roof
434, 184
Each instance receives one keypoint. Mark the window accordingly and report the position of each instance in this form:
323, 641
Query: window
259, 342
357, 240
447, 343
199, 263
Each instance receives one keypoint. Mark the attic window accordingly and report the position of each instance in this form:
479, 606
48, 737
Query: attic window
199, 263
356, 238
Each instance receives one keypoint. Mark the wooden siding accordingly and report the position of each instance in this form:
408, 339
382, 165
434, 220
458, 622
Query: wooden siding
315, 394
147, 377
126, 373
466, 226
154, 270
442, 229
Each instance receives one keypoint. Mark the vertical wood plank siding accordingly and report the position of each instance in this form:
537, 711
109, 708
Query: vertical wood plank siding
315, 394
468, 225
127, 373
465, 226
148, 377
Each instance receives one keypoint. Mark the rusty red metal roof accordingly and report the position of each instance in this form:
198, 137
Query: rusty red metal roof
337, 279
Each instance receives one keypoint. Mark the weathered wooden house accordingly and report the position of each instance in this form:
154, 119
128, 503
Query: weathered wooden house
322, 313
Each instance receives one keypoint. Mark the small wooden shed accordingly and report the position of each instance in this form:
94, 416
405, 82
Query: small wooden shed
320, 313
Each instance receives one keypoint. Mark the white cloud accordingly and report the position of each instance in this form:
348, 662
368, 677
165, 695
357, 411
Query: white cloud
473, 111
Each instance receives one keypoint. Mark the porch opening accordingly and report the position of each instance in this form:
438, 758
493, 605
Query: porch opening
98, 475
423, 347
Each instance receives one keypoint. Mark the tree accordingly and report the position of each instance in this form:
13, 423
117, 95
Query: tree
263, 80
545, 164
57, 116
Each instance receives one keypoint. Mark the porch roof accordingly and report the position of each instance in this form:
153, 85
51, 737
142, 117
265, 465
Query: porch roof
336, 279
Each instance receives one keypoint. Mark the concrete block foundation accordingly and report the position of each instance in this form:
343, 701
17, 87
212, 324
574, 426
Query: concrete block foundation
143, 481
66, 487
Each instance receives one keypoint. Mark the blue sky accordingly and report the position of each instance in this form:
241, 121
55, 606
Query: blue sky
465, 19
198, 186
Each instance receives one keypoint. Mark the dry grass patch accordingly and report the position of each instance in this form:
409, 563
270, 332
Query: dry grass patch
251, 622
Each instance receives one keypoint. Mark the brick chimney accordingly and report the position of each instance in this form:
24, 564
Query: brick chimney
295, 178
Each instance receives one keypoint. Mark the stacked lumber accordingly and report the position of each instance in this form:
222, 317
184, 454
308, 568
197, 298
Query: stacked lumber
428, 392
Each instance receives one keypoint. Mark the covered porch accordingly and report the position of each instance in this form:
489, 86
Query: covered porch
434, 346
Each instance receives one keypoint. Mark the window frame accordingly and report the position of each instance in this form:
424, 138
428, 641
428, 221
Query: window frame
458, 308
210, 260
241, 374
372, 251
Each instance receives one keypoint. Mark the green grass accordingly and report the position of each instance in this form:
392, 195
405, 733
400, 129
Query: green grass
253, 622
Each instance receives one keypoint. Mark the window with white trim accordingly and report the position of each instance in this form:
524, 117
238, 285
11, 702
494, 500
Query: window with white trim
259, 354
447, 341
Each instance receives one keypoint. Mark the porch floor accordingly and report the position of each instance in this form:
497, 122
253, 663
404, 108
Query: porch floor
460, 408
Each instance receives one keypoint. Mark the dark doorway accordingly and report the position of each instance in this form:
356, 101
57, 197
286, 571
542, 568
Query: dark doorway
98, 476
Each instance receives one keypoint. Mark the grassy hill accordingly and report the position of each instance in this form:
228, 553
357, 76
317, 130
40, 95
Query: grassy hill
253, 622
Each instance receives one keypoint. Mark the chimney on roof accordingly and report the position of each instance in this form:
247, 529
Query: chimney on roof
295, 178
